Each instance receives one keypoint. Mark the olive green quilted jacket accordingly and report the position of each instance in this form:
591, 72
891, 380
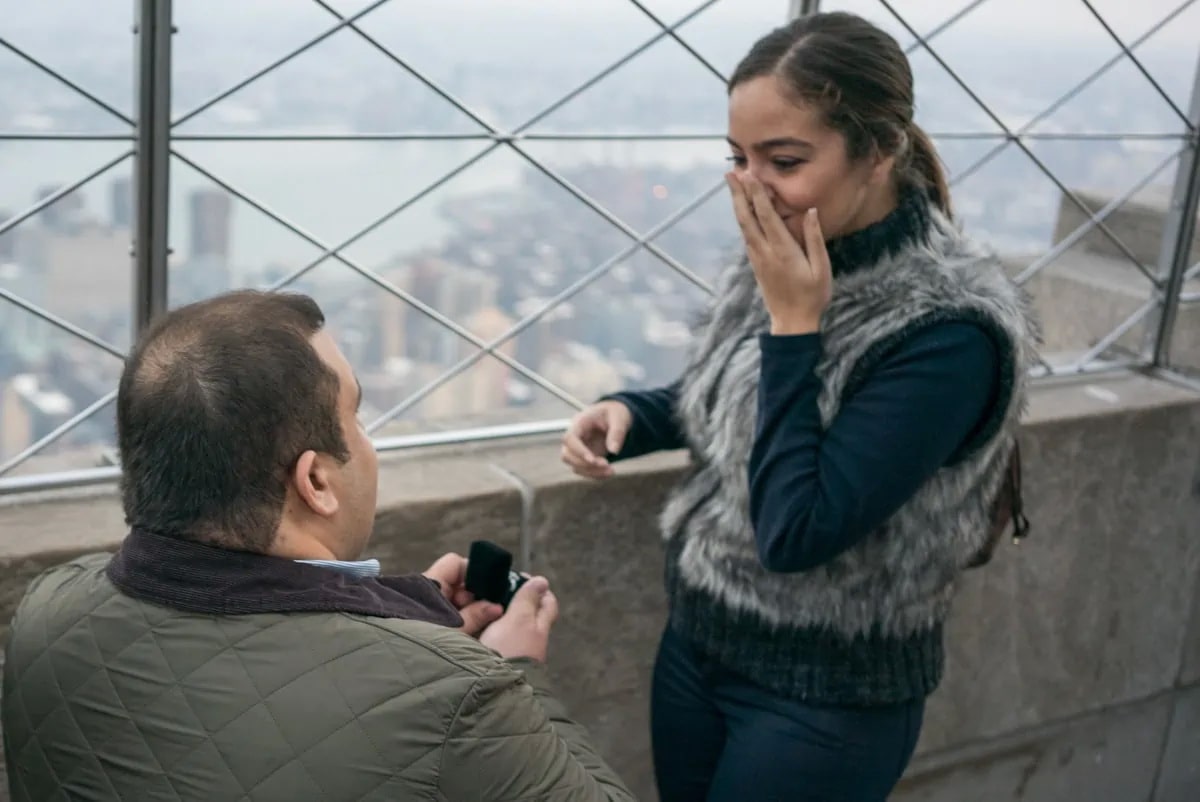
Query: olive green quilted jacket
106, 697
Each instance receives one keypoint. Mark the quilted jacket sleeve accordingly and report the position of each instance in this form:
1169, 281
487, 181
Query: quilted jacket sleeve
511, 740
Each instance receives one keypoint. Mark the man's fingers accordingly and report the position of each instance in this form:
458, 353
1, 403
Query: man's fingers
478, 615
450, 570
547, 612
528, 598
462, 597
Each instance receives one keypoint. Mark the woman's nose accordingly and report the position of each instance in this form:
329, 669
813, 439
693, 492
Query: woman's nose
761, 177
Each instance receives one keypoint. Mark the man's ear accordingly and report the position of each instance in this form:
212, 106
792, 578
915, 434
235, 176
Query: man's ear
313, 483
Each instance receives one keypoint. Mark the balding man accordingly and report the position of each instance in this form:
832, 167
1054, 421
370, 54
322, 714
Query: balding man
237, 647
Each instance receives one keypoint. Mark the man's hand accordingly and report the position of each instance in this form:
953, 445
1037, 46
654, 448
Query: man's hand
524, 630
450, 571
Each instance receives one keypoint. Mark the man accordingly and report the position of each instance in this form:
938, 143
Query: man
235, 647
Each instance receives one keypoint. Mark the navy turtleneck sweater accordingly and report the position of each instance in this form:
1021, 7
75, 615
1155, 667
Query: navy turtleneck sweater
814, 492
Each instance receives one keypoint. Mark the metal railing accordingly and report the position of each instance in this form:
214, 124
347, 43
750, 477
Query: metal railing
153, 134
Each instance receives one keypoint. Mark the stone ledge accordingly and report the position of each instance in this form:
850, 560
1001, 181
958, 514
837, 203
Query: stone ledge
90, 519
1111, 755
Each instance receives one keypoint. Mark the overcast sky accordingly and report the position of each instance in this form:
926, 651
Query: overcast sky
68, 22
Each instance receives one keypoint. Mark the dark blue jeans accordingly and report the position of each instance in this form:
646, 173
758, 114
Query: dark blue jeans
720, 738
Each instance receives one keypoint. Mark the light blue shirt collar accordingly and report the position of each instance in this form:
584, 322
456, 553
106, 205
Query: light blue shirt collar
358, 568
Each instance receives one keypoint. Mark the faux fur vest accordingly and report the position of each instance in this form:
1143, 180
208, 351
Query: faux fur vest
884, 599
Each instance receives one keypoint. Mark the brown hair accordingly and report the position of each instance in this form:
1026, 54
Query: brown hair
216, 402
861, 80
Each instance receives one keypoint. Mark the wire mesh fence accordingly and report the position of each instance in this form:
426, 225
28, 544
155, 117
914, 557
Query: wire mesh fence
509, 209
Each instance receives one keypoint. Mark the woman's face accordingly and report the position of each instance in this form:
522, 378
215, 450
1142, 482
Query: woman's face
803, 163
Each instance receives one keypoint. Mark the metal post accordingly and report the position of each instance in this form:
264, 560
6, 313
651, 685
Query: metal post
150, 248
802, 8
1179, 231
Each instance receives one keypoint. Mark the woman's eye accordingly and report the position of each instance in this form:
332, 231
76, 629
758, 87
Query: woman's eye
738, 161
787, 164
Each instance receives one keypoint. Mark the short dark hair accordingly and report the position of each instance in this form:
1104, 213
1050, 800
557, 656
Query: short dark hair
858, 76
216, 402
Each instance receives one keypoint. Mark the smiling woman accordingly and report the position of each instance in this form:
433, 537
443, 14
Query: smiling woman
850, 404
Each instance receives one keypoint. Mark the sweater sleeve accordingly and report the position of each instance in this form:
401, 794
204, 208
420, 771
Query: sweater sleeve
814, 493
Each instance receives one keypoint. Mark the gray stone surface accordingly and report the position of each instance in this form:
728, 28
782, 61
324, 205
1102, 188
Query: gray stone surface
1092, 609
1179, 776
1110, 757
1190, 671
429, 506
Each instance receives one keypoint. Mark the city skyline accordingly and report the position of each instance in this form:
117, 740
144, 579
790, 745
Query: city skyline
497, 243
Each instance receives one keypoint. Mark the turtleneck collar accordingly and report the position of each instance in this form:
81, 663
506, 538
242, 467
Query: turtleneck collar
908, 223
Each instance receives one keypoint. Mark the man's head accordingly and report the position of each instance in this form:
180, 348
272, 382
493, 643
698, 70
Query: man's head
237, 426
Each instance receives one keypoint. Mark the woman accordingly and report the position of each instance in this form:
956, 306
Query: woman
850, 406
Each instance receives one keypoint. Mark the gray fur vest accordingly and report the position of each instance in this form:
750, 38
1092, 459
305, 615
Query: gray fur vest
882, 601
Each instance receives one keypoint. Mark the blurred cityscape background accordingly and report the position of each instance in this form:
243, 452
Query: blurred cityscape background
466, 184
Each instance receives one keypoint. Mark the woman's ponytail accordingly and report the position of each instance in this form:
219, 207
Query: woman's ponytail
927, 167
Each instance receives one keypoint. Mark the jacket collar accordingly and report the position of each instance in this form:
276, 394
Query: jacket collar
204, 579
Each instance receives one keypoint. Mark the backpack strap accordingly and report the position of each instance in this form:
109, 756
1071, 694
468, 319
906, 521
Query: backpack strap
1008, 509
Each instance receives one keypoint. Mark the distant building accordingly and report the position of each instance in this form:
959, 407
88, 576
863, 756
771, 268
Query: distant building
28, 411
210, 213
120, 198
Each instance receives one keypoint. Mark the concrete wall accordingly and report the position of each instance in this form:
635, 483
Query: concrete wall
1074, 660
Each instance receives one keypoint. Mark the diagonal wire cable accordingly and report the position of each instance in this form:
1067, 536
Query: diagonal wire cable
1065, 244
1121, 246
334, 251
1137, 63
1123, 328
613, 67
61, 323
50, 200
65, 81
946, 24
670, 30
561, 297
497, 140
279, 62
510, 140
58, 433
1068, 96
383, 283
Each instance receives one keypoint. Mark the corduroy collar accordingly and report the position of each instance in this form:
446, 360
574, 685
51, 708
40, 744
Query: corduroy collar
204, 579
